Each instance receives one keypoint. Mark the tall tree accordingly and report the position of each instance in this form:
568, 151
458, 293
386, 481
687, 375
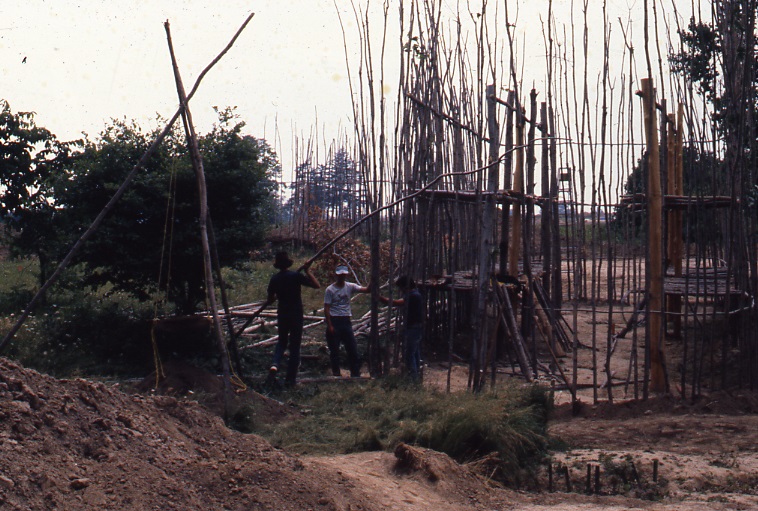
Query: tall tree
332, 187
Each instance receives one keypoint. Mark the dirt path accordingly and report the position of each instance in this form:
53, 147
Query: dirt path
375, 476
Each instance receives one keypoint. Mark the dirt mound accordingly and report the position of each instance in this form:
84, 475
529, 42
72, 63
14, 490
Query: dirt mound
78, 444
413, 479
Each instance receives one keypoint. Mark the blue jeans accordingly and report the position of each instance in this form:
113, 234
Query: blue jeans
290, 333
413, 336
343, 333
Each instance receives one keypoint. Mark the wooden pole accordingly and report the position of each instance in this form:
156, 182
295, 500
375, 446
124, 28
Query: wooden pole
674, 187
527, 309
556, 293
486, 250
507, 183
514, 248
654, 269
197, 164
547, 208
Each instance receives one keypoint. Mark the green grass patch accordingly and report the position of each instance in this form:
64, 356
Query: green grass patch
509, 423
19, 280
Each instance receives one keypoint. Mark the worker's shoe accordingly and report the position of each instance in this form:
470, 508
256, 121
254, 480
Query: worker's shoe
272, 375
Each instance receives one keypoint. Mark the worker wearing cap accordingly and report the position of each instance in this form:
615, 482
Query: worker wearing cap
339, 325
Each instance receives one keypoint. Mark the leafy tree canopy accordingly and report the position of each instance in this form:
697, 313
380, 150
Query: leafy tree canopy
151, 239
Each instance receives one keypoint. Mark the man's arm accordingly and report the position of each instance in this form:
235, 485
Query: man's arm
361, 289
396, 302
328, 316
314, 283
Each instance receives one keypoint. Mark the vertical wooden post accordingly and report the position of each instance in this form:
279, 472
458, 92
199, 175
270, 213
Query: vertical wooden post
556, 294
527, 310
507, 183
550, 476
547, 207
674, 186
654, 268
597, 480
514, 250
486, 251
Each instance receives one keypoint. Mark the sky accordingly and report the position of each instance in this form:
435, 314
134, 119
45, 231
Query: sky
79, 63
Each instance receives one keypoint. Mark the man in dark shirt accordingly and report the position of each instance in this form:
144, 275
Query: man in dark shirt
413, 303
285, 287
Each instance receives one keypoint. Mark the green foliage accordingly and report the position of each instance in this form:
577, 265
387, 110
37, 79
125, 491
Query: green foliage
510, 423
153, 230
703, 178
19, 279
719, 59
702, 43
87, 335
31, 158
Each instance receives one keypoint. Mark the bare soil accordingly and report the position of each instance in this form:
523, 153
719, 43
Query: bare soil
79, 444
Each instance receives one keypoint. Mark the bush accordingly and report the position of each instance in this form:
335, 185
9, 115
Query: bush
90, 337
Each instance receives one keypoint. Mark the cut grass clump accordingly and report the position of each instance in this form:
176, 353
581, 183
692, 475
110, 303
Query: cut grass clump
507, 425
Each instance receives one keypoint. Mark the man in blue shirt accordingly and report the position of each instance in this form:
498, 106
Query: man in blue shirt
413, 304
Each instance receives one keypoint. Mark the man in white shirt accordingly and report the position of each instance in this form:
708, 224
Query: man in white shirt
339, 325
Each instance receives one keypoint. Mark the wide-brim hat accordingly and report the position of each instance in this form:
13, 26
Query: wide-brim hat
282, 261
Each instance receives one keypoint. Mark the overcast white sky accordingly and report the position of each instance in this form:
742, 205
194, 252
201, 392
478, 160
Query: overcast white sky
79, 63
90, 60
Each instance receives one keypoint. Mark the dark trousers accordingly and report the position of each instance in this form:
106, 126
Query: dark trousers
343, 333
413, 350
290, 335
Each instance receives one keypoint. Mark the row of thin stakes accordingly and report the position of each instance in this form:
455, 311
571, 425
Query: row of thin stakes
627, 475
